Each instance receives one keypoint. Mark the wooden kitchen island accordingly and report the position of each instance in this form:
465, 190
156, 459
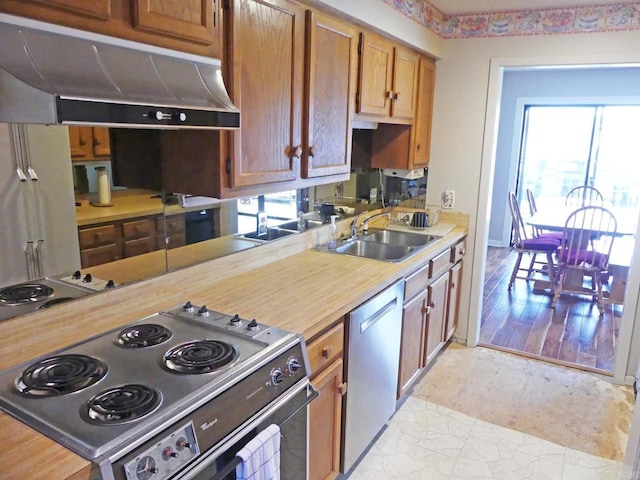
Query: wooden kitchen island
284, 284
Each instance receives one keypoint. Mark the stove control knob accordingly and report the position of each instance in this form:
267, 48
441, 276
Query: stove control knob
76, 275
87, 278
182, 443
276, 376
168, 453
204, 311
235, 321
253, 325
110, 284
187, 307
293, 365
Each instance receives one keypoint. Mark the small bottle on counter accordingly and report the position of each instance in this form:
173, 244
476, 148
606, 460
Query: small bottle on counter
333, 233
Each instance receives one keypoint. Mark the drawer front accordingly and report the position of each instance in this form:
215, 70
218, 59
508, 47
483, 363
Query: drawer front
175, 224
458, 251
139, 246
96, 236
99, 255
416, 282
440, 264
138, 228
325, 348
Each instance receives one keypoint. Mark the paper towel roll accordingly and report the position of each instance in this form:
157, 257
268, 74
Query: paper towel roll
104, 188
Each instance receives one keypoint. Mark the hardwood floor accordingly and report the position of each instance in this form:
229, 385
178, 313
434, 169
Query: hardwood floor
522, 321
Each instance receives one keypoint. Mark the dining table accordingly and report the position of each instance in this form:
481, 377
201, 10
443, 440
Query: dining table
554, 219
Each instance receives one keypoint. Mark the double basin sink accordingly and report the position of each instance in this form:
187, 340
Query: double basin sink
385, 245
279, 231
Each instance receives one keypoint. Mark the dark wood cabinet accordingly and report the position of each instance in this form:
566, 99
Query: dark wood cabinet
330, 80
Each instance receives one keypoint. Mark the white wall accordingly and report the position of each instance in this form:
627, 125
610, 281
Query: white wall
465, 100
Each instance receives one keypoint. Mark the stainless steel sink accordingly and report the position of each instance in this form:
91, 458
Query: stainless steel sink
293, 225
385, 245
273, 233
378, 251
400, 238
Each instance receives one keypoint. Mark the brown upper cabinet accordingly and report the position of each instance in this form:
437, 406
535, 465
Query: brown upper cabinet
388, 80
330, 80
188, 25
89, 143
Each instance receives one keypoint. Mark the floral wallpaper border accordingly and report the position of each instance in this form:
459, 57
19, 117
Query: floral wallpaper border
583, 19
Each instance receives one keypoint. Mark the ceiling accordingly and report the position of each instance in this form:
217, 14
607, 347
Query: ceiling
476, 6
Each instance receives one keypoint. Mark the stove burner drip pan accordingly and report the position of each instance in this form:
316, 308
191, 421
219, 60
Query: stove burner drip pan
144, 335
60, 375
24, 293
122, 404
200, 356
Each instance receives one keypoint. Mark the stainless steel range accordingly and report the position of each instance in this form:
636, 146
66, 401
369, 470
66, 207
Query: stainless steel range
46, 292
173, 395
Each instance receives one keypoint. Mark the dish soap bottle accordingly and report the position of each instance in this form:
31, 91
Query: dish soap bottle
332, 233
301, 225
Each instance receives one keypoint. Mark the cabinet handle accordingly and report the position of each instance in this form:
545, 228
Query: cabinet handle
312, 151
294, 151
418, 147
453, 284
325, 352
463, 251
83, 141
96, 142
342, 389
389, 94
396, 96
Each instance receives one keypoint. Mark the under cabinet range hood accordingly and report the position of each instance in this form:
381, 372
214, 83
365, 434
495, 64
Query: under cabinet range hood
57, 75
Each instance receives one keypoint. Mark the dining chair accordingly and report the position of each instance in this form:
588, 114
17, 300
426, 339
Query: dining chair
522, 244
585, 250
583, 196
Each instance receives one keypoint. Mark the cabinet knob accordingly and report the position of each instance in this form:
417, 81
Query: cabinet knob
297, 151
396, 96
325, 352
83, 141
312, 151
453, 284
389, 94
96, 141
418, 147
463, 251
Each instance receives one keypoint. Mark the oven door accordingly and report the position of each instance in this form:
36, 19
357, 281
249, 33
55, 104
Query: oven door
289, 412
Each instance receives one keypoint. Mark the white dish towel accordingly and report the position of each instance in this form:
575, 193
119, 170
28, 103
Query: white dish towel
261, 456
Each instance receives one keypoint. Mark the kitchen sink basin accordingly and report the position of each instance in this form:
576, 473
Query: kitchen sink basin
273, 233
293, 225
400, 238
378, 251
385, 245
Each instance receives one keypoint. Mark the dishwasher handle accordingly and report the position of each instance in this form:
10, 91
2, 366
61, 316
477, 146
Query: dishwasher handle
369, 322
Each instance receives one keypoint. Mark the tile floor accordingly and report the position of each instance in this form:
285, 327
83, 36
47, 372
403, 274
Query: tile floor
424, 441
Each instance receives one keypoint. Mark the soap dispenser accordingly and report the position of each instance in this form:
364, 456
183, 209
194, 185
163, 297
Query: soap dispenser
333, 233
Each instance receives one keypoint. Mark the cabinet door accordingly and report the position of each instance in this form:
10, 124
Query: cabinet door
100, 142
424, 111
411, 345
265, 49
455, 279
325, 417
331, 52
97, 9
188, 20
437, 309
80, 141
376, 74
405, 84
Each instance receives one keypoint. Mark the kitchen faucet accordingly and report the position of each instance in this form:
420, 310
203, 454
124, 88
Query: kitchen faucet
353, 228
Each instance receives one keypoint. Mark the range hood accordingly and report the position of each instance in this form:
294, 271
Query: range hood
57, 75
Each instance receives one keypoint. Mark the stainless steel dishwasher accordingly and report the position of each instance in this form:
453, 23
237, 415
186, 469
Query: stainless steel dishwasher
373, 358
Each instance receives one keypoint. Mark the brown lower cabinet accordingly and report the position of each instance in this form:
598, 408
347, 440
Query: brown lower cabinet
325, 412
430, 313
108, 242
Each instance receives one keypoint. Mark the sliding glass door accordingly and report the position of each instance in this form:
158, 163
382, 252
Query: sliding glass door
566, 146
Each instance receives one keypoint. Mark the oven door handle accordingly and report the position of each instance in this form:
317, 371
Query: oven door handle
196, 468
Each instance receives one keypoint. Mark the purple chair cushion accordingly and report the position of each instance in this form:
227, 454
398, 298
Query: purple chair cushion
576, 257
542, 244
552, 235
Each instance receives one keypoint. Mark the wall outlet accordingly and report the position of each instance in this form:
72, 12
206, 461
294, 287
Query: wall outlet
448, 198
